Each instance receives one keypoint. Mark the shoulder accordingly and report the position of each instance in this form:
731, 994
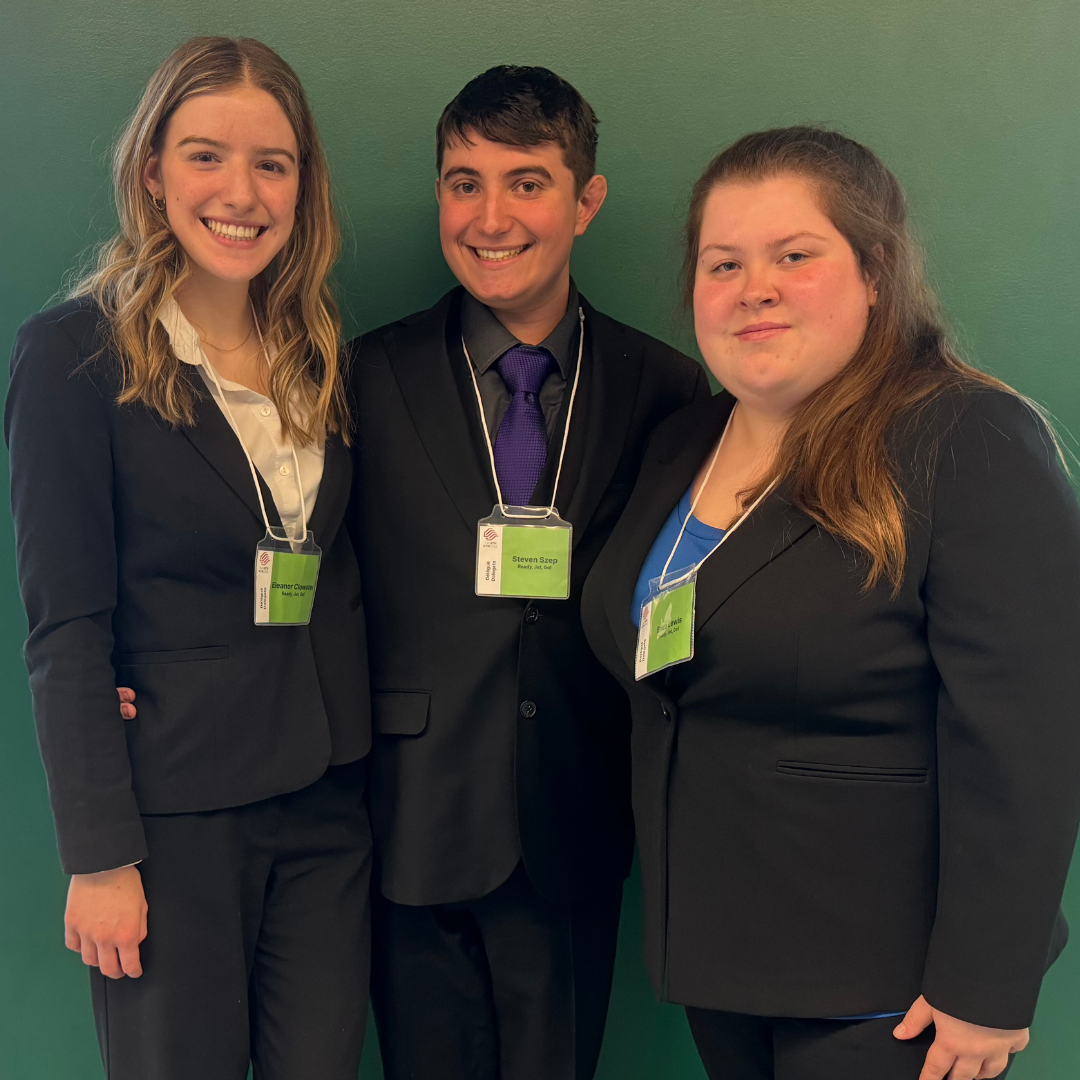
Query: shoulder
61, 338
662, 365
418, 325
980, 431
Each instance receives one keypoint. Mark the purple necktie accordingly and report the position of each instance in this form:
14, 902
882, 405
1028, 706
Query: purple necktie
521, 444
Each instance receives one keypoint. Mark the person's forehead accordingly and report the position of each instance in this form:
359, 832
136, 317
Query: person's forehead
485, 154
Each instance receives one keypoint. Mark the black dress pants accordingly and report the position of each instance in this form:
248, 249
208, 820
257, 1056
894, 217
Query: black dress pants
734, 1046
257, 943
506, 987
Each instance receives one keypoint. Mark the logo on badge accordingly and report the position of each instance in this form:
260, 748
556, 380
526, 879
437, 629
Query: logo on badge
490, 534
264, 558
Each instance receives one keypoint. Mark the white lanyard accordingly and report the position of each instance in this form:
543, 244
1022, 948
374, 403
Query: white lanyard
251, 464
566, 429
693, 506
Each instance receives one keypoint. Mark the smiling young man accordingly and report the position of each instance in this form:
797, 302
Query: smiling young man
500, 775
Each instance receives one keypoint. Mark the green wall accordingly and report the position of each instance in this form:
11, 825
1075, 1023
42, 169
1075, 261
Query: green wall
974, 104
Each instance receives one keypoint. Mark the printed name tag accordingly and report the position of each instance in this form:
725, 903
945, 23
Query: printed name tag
666, 630
519, 557
286, 575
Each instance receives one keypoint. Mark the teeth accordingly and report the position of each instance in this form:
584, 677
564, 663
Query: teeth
498, 256
231, 232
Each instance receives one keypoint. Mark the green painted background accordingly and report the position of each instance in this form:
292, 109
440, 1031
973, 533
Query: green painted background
974, 103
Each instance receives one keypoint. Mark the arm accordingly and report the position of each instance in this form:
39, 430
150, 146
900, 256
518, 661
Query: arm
1003, 608
57, 430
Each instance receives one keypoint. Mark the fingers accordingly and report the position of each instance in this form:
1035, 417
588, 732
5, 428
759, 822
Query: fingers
130, 962
72, 939
127, 697
940, 1063
992, 1067
918, 1018
89, 950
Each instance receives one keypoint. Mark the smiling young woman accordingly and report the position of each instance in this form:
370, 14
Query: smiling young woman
175, 427
855, 577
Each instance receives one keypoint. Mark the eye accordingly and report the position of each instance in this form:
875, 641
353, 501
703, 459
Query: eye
466, 187
529, 187
726, 267
272, 166
793, 258
203, 157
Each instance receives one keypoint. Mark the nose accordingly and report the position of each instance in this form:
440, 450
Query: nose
238, 188
492, 219
759, 289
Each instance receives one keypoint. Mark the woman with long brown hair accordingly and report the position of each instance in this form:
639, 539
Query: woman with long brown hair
180, 471
844, 598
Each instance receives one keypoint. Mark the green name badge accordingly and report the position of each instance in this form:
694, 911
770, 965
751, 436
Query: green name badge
666, 630
286, 575
523, 552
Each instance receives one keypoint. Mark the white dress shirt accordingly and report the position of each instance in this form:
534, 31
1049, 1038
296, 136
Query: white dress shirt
259, 428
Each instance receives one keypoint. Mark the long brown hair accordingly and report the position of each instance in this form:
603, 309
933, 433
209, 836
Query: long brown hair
143, 265
834, 456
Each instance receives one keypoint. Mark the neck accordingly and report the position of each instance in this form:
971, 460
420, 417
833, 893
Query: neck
533, 324
756, 435
219, 310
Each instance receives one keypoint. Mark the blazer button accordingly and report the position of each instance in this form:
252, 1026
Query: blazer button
531, 614
667, 712
528, 709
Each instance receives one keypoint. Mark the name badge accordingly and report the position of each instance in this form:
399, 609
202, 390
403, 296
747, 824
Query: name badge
286, 574
516, 556
666, 629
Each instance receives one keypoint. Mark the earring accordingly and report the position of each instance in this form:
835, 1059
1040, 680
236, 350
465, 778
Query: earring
155, 200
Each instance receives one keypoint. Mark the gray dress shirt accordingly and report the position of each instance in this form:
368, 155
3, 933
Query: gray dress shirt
487, 339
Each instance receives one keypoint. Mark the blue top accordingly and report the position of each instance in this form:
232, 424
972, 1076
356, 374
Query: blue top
696, 543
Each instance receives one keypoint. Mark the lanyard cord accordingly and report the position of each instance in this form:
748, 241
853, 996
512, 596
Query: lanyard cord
693, 506
566, 428
251, 464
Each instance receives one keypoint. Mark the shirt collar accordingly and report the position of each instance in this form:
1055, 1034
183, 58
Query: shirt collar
487, 339
185, 342
182, 335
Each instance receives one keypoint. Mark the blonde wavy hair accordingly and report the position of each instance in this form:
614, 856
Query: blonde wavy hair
143, 265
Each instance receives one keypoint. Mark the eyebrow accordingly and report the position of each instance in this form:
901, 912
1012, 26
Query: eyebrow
262, 151
525, 170
776, 243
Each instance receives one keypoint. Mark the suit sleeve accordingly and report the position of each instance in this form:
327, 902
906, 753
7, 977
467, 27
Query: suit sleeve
58, 434
1003, 608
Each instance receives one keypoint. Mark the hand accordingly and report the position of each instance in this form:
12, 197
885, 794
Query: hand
105, 920
961, 1051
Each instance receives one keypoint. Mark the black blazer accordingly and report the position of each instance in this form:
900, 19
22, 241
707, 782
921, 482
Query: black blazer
498, 735
136, 546
845, 800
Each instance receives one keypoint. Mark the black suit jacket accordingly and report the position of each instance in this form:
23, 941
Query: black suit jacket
136, 545
845, 800
498, 735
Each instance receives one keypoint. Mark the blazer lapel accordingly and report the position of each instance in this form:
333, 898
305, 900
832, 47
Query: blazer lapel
664, 476
772, 528
609, 384
421, 364
213, 437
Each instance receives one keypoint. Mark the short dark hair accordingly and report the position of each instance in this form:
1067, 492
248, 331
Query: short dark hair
523, 106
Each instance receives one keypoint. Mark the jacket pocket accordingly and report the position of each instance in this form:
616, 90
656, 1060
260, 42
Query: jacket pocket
173, 656
399, 712
825, 771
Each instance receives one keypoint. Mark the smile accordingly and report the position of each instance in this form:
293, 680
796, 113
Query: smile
226, 231
761, 331
492, 255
